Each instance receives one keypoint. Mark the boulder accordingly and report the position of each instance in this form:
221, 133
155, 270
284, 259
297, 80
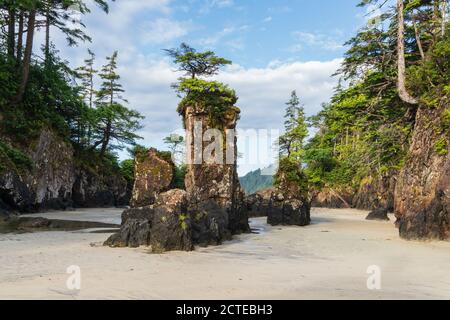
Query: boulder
289, 203
153, 175
163, 226
291, 211
422, 195
380, 214
258, 204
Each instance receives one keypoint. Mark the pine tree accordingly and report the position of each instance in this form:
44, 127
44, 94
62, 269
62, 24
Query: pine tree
296, 129
114, 121
87, 91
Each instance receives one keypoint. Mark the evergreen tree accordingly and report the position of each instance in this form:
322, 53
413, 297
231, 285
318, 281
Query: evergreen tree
114, 122
196, 64
296, 129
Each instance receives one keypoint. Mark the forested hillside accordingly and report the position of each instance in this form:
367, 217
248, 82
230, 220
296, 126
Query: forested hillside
58, 130
395, 86
256, 181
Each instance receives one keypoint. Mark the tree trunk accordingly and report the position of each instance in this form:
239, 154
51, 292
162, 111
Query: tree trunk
444, 17
20, 37
11, 32
27, 57
403, 93
106, 139
47, 34
419, 42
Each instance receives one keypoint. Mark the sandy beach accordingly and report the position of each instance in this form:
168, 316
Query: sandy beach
327, 260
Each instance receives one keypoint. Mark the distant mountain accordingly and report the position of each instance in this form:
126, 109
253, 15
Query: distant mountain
257, 180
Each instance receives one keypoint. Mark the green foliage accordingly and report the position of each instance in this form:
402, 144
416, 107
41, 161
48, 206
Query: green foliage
441, 147
290, 171
292, 141
13, 159
430, 79
213, 97
127, 170
195, 63
179, 176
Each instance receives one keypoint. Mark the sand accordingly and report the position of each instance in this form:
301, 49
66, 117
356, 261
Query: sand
327, 260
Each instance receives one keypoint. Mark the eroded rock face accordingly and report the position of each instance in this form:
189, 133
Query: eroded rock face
153, 175
422, 196
258, 203
163, 226
377, 192
214, 192
56, 182
330, 198
53, 175
289, 203
92, 190
14, 193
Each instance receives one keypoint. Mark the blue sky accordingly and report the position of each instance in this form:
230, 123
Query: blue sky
276, 45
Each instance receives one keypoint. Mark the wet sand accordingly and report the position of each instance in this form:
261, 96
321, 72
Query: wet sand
327, 260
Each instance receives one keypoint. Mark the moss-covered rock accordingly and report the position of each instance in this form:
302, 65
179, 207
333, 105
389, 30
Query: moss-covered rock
153, 175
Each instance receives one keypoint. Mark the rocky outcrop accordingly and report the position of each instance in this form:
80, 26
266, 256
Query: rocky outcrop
331, 198
422, 195
56, 181
289, 203
258, 203
163, 226
210, 211
379, 214
216, 200
93, 190
153, 175
52, 175
377, 192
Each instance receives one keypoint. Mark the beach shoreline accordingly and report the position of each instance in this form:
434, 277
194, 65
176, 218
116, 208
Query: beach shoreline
327, 260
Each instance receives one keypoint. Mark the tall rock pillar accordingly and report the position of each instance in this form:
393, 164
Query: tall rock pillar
216, 200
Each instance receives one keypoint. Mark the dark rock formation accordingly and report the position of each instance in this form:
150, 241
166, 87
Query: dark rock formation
330, 198
377, 192
56, 181
52, 176
92, 190
422, 195
380, 214
153, 175
258, 203
289, 204
16, 224
163, 226
14, 193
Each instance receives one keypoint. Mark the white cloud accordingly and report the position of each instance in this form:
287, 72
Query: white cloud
163, 30
268, 19
323, 41
211, 41
147, 77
